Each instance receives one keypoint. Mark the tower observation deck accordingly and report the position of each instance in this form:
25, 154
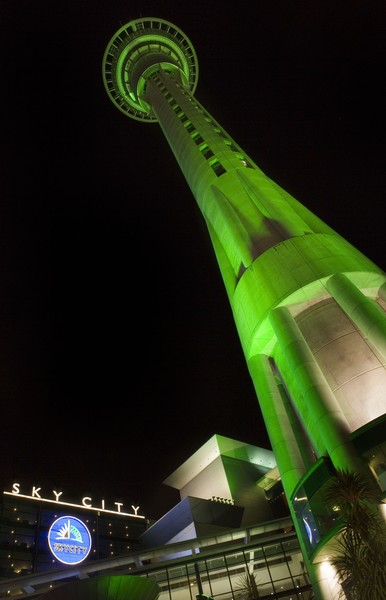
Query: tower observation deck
135, 53
309, 308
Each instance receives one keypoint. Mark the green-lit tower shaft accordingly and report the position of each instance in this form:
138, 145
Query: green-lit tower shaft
309, 308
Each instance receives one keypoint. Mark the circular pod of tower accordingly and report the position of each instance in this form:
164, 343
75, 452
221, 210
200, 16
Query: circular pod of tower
136, 51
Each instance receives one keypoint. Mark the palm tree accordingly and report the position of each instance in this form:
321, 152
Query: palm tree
247, 589
360, 559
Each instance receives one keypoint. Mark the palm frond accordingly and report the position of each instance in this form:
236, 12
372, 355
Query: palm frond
360, 557
247, 587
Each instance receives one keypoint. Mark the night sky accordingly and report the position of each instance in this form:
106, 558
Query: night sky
119, 356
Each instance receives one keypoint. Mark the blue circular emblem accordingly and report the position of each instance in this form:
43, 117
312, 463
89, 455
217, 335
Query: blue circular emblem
69, 540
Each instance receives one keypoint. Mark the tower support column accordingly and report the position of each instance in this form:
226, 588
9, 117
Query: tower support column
367, 315
286, 447
311, 393
284, 444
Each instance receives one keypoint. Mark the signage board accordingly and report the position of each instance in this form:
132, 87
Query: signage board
69, 540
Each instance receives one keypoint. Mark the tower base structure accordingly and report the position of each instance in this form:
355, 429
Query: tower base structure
309, 308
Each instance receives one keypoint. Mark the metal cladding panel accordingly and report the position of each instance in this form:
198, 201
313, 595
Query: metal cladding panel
352, 369
176, 520
292, 273
211, 481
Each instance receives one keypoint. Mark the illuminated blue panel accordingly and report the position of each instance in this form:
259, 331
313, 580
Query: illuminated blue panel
69, 540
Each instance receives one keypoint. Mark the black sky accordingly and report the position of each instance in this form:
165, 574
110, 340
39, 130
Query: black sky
118, 352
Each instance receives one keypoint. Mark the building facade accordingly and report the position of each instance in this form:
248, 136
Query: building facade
227, 484
27, 517
219, 567
230, 531
309, 308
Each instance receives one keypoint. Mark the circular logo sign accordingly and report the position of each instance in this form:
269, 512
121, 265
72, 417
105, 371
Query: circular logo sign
69, 540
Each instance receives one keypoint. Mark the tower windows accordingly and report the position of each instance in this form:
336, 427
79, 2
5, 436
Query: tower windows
207, 152
231, 146
217, 167
243, 160
198, 138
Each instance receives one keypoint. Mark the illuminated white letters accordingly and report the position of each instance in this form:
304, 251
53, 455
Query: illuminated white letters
35, 492
86, 501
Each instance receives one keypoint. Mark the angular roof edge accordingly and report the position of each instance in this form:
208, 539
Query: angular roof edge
215, 447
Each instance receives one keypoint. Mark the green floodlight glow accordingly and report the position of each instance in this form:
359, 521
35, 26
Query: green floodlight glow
309, 307
138, 49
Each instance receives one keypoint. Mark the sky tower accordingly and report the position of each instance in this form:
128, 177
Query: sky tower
309, 308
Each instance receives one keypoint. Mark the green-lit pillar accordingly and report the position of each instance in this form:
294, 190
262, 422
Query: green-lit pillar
309, 308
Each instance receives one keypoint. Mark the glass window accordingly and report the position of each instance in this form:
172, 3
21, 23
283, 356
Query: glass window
231, 146
217, 167
207, 152
198, 139
377, 462
314, 515
235, 559
316, 518
179, 583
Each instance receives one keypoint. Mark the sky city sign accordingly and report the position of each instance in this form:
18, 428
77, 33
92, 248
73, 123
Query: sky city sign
69, 540
86, 502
